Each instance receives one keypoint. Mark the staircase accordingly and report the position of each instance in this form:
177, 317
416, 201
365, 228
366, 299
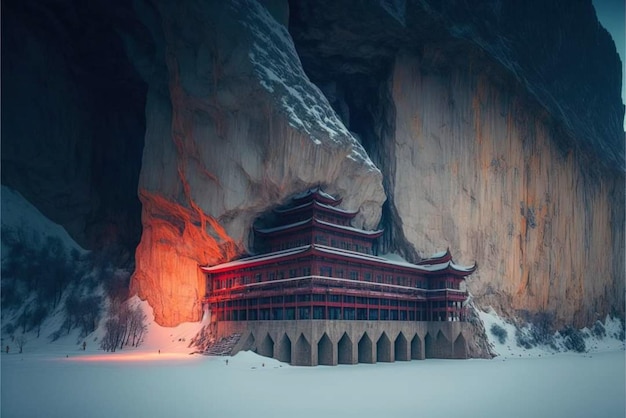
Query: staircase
223, 347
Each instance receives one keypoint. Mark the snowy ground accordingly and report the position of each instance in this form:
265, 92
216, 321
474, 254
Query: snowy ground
168, 385
161, 379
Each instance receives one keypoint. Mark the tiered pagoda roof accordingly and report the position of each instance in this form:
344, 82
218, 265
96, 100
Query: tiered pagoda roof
305, 211
314, 222
426, 267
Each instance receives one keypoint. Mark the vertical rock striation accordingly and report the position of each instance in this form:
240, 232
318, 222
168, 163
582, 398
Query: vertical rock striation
497, 137
480, 167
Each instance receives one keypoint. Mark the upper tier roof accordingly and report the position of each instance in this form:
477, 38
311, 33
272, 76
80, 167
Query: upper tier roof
317, 222
317, 205
437, 258
440, 268
317, 194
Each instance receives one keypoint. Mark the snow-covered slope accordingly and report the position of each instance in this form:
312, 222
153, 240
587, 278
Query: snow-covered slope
24, 221
17, 214
509, 347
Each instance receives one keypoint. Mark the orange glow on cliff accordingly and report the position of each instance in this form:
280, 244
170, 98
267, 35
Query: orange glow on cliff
177, 234
174, 242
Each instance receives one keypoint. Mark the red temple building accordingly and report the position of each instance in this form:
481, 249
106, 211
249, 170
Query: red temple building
313, 265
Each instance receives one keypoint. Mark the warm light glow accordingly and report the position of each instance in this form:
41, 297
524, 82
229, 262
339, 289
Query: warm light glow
175, 241
131, 357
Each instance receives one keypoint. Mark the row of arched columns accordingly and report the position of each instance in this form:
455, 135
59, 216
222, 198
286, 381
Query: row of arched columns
311, 343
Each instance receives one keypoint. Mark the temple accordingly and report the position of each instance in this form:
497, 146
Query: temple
312, 265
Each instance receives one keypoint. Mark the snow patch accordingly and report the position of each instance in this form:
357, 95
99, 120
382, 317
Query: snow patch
510, 349
396, 9
280, 72
19, 215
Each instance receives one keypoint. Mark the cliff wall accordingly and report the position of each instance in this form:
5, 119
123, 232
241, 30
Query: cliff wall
489, 140
482, 169
234, 127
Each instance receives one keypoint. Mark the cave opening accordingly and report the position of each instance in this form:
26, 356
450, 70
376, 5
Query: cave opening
358, 86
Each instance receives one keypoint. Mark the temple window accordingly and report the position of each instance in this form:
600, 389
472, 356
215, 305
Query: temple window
348, 313
304, 312
326, 271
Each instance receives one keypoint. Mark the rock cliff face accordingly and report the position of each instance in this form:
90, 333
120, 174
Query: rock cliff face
233, 128
479, 152
477, 169
493, 128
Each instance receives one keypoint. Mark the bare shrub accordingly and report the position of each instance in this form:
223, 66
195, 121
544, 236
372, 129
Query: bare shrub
499, 332
126, 326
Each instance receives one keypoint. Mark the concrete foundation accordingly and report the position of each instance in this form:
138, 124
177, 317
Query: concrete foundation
322, 342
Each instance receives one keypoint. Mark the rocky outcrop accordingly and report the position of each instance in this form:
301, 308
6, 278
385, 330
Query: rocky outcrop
234, 127
485, 144
479, 170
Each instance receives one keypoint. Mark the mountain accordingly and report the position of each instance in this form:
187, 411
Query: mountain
157, 132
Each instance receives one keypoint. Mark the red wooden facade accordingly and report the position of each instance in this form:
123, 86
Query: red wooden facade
316, 266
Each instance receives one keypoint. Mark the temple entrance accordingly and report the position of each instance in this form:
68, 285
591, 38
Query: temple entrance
249, 344
460, 348
303, 352
266, 348
438, 347
325, 351
383, 348
401, 348
284, 349
416, 348
365, 350
344, 350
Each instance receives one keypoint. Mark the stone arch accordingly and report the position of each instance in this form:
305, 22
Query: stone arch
438, 347
383, 348
266, 348
417, 348
284, 349
366, 354
303, 352
459, 349
344, 350
325, 351
401, 348
248, 343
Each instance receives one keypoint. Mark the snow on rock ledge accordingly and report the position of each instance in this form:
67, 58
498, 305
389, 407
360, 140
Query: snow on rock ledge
278, 68
233, 128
